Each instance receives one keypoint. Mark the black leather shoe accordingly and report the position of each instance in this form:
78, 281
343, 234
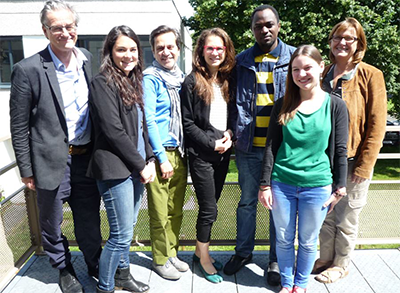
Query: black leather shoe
124, 281
273, 275
98, 290
68, 281
236, 263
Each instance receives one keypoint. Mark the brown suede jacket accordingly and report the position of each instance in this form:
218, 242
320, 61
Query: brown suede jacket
365, 97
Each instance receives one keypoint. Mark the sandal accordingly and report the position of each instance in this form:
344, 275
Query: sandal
320, 266
297, 289
286, 290
331, 275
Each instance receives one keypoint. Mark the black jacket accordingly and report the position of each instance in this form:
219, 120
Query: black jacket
200, 135
38, 124
337, 149
115, 154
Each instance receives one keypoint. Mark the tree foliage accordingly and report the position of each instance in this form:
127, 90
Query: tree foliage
309, 22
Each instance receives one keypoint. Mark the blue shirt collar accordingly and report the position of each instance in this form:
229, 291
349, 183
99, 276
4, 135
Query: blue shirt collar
80, 58
275, 52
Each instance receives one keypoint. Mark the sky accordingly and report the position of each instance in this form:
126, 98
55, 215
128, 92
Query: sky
184, 7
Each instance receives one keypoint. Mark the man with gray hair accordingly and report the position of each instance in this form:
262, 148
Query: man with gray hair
51, 136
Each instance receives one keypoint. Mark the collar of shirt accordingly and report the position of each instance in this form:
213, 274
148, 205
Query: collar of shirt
346, 76
275, 52
80, 58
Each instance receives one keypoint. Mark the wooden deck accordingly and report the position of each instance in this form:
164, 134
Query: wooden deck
370, 271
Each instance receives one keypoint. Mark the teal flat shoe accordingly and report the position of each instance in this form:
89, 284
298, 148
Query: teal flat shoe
217, 265
213, 278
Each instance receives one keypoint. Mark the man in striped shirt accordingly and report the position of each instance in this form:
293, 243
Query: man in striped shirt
261, 77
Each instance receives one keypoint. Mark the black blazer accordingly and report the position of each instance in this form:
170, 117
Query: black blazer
115, 154
200, 135
38, 126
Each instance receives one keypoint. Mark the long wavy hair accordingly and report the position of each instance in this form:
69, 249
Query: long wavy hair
203, 76
340, 27
129, 87
292, 98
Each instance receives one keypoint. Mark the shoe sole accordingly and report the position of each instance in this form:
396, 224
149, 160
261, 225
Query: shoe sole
122, 288
167, 277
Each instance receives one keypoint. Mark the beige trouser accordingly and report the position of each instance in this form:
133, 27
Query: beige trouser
339, 232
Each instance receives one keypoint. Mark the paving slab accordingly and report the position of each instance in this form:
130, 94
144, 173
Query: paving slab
371, 271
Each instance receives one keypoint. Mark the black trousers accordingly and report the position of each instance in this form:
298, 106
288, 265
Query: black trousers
208, 180
84, 199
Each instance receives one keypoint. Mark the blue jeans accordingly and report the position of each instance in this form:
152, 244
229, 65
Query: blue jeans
307, 203
249, 166
122, 198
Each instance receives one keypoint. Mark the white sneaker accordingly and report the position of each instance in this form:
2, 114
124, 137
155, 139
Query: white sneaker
167, 271
181, 266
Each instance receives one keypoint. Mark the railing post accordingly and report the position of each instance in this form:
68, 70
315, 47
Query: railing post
33, 219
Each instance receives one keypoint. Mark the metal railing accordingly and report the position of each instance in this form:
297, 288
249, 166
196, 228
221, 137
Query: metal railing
20, 232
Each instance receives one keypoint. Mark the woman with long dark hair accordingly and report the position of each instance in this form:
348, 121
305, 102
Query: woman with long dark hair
205, 98
305, 153
362, 87
122, 159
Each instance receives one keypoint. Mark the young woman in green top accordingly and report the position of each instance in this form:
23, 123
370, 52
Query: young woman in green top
305, 154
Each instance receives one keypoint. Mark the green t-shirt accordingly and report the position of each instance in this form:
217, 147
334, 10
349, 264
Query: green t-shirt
302, 159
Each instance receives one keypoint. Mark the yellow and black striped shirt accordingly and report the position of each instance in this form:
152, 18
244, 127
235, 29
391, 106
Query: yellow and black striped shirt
265, 94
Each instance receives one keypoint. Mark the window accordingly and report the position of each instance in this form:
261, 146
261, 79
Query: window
94, 44
11, 52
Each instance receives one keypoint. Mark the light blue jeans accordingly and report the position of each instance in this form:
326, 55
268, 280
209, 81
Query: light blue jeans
249, 167
307, 203
122, 198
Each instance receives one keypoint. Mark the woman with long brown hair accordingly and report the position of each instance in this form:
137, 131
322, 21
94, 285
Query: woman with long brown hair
305, 153
205, 98
122, 159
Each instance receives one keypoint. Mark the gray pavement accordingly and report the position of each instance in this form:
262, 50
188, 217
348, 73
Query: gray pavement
370, 271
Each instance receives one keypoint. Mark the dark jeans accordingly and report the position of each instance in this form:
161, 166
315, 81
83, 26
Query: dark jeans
84, 199
208, 180
249, 167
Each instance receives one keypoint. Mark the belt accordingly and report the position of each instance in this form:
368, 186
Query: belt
75, 150
170, 148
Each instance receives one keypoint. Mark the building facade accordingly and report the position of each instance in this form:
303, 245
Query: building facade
21, 36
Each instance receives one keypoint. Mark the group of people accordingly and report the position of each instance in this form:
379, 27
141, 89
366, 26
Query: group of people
306, 139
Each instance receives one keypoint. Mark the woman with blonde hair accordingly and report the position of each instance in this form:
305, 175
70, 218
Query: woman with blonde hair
205, 98
362, 87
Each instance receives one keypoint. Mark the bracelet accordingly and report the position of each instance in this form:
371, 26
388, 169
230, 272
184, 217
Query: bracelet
267, 187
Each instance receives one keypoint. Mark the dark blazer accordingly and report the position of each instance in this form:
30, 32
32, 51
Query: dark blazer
337, 148
115, 154
38, 126
200, 135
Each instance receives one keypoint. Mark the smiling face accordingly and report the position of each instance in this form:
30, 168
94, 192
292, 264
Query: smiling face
64, 41
214, 52
306, 72
166, 52
342, 49
265, 28
125, 54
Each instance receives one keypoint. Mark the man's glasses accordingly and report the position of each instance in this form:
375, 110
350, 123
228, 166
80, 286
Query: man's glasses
57, 30
347, 39
210, 49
